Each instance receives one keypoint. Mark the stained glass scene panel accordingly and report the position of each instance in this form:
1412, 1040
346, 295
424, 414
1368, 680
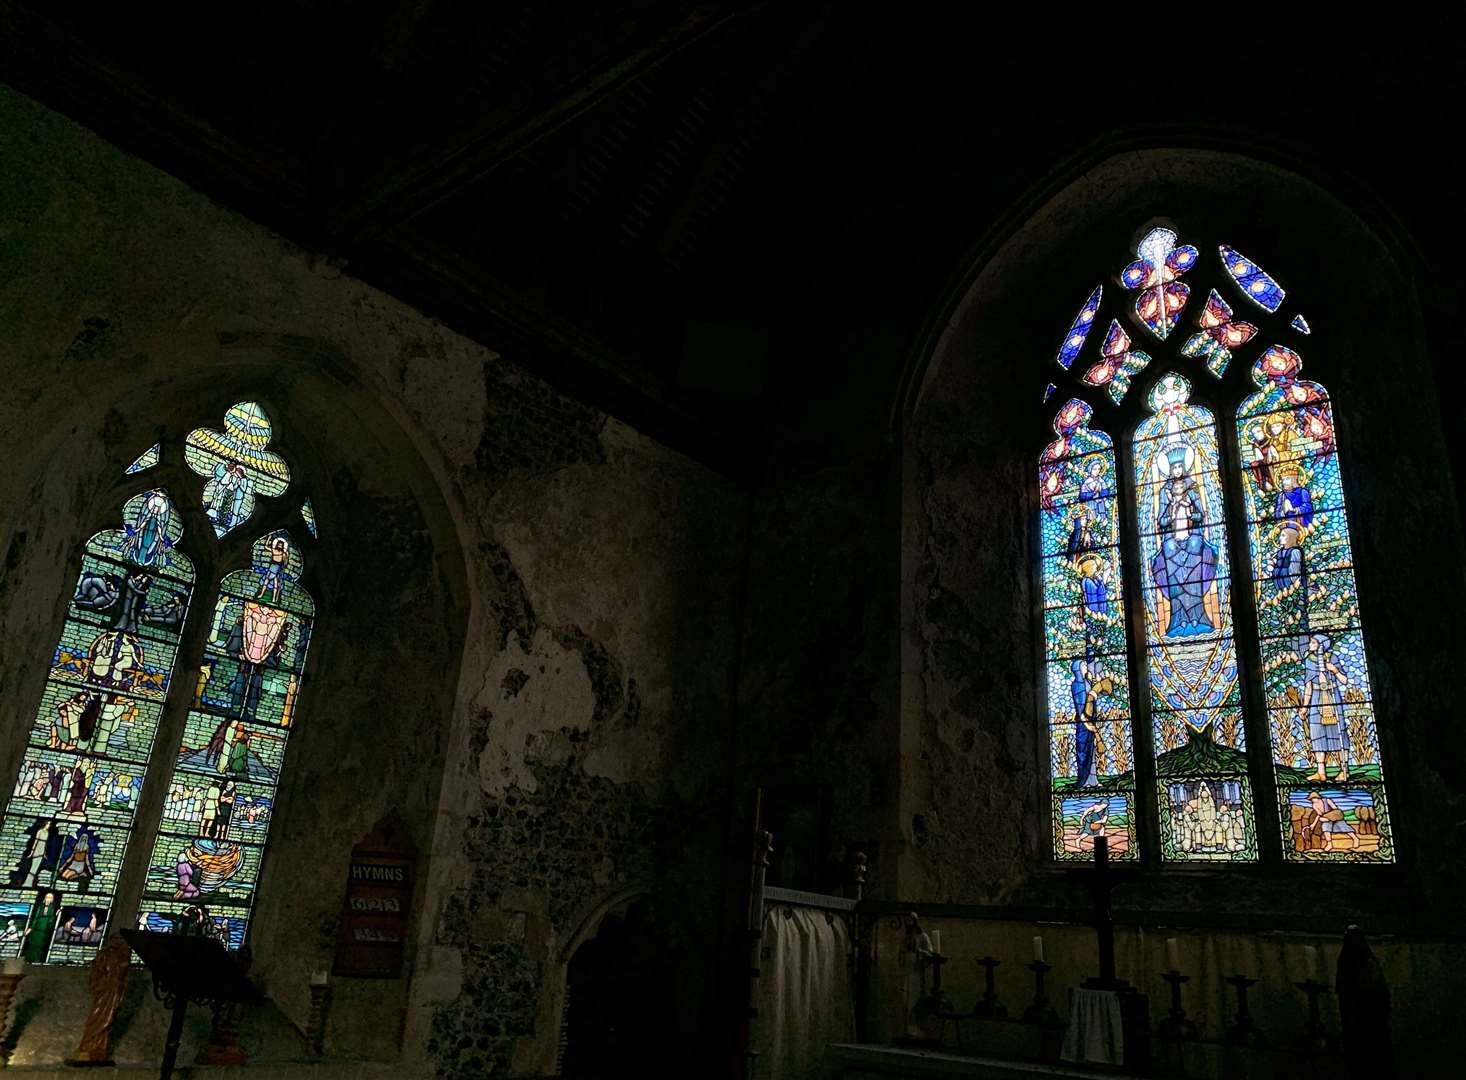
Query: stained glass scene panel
71, 810
1201, 764
237, 465
1079, 819
1325, 744
1091, 747
226, 772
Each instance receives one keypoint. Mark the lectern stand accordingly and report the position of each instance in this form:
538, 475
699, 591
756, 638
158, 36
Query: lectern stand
186, 968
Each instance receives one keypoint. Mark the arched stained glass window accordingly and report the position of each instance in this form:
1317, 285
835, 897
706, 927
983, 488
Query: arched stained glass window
1275, 686
1315, 676
1191, 656
1090, 744
70, 814
221, 793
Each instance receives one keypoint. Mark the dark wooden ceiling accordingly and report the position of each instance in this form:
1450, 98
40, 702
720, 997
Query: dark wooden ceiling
696, 216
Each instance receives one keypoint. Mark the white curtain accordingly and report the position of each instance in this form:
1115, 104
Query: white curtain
804, 1001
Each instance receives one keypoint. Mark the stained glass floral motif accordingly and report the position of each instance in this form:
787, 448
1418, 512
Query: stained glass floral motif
1203, 791
1155, 273
308, 514
237, 465
1092, 759
70, 815
1118, 364
1300, 324
1255, 282
1219, 335
146, 460
1079, 330
1325, 746
222, 792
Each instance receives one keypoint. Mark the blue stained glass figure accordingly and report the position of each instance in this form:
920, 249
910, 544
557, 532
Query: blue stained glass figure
1156, 274
146, 460
1219, 335
1118, 363
1300, 324
1079, 330
1255, 282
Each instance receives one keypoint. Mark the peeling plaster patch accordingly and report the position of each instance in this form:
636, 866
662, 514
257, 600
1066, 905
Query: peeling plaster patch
528, 725
513, 682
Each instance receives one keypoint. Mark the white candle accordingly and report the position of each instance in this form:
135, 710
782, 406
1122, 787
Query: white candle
1038, 949
14, 965
318, 978
1310, 957
937, 942
1172, 956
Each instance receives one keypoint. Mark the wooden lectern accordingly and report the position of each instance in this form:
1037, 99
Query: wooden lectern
187, 968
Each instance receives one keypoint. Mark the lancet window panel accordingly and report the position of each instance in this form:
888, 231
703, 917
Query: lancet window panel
70, 813
1325, 744
226, 772
1247, 660
1091, 742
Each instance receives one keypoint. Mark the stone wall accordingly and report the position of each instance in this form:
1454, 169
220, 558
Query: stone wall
527, 609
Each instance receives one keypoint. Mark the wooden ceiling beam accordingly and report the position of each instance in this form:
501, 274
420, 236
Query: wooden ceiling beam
439, 172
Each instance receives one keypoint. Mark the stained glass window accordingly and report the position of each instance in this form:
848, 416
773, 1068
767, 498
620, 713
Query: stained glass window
237, 464
1117, 365
1284, 695
70, 814
1325, 747
1255, 282
225, 776
146, 460
1156, 273
1079, 329
1220, 334
1091, 753
1202, 789
308, 515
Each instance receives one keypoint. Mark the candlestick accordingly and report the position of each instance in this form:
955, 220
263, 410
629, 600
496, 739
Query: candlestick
1243, 1032
1038, 949
1040, 1011
988, 1007
1172, 955
1315, 1037
315, 1028
1176, 1026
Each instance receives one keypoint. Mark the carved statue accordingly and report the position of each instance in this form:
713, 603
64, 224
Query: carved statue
108, 982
